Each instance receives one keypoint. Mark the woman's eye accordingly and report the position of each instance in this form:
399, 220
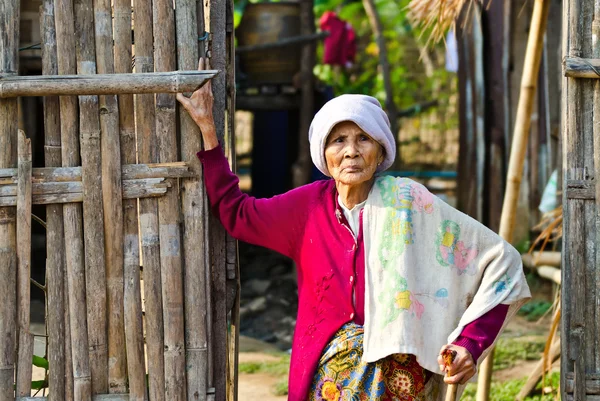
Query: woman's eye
364, 138
338, 140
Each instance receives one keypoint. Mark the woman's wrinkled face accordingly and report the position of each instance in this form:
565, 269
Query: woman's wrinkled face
352, 156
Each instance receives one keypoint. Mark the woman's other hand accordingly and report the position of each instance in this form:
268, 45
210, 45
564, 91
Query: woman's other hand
200, 108
462, 368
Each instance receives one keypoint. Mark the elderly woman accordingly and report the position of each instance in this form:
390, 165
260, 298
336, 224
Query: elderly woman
389, 276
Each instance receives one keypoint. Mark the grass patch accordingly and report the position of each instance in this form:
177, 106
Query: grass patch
279, 368
534, 310
507, 391
509, 351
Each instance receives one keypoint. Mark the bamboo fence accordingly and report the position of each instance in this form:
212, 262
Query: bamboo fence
138, 275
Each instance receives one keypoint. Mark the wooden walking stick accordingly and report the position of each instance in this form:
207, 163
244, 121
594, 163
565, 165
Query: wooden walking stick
448, 356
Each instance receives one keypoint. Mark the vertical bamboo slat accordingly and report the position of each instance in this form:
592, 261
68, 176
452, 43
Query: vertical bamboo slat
134, 337
25, 349
188, 23
93, 213
9, 42
55, 288
574, 273
113, 205
72, 213
169, 210
233, 272
217, 232
149, 227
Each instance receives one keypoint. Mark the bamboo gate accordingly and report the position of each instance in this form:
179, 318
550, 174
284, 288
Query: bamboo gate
580, 335
123, 189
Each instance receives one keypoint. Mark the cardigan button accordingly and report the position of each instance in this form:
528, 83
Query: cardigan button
352, 315
351, 278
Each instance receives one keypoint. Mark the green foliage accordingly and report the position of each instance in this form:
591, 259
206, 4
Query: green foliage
281, 387
507, 391
535, 309
279, 368
509, 351
40, 362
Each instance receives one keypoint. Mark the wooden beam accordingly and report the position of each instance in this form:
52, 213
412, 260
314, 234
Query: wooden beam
104, 84
296, 40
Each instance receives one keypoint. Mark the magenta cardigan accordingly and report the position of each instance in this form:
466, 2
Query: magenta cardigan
307, 225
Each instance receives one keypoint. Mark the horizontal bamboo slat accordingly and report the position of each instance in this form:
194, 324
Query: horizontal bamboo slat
8, 176
72, 192
104, 84
577, 67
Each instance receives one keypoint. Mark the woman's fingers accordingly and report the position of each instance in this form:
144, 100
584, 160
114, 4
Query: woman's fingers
462, 367
185, 102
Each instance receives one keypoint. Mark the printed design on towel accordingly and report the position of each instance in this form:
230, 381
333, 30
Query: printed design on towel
402, 198
502, 284
452, 252
397, 298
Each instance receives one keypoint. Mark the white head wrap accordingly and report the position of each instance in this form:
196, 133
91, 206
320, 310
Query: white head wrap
364, 111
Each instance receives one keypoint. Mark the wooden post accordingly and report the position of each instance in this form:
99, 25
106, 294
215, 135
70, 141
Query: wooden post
55, 259
169, 210
9, 59
377, 28
149, 226
518, 150
25, 349
93, 212
233, 275
218, 235
134, 336
72, 213
303, 165
113, 207
190, 21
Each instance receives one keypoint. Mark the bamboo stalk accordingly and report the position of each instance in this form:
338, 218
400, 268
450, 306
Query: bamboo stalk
169, 210
134, 336
149, 226
217, 232
108, 84
55, 259
72, 213
25, 349
93, 211
113, 205
190, 21
518, 150
9, 42
233, 274
578, 67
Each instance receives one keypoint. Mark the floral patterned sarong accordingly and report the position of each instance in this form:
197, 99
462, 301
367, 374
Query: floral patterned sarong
342, 376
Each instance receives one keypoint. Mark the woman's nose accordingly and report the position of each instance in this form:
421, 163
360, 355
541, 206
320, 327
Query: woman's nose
351, 151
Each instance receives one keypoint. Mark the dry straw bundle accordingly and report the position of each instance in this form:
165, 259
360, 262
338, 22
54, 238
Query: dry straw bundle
437, 15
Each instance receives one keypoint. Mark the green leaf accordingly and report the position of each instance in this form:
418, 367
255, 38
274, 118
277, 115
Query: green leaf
39, 384
40, 362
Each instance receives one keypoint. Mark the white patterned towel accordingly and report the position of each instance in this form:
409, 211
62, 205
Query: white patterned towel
430, 270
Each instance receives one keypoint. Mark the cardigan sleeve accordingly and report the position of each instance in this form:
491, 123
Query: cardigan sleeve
276, 223
478, 335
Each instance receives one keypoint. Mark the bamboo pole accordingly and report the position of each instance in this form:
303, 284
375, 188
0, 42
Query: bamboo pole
105, 84
169, 209
189, 22
518, 151
217, 232
149, 226
113, 205
134, 336
55, 259
9, 42
76, 338
233, 273
93, 211
25, 349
